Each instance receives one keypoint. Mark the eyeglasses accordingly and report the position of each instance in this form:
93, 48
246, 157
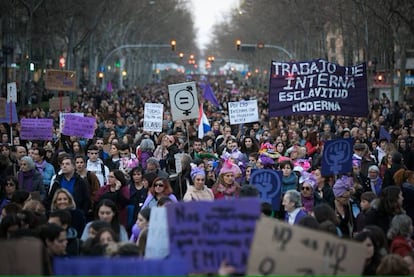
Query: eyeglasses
306, 188
10, 184
93, 153
159, 185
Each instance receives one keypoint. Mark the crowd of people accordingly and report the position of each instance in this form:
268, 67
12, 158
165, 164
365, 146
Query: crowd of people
93, 197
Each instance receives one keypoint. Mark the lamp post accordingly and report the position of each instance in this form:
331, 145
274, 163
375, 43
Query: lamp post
171, 45
261, 45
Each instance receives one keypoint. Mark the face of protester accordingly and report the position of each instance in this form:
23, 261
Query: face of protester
306, 189
365, 205
106, 238
113, 151
24, 166
76, 147
199, 181
62, 201
137, 176
58, 246
93, 155
105, 213
31, 152
142, 222
320, 180
228, 178
344, 198
80, 164
20, 152
248, 142
197, 146
36, 156
99, 143
125, 154
287, 170
67, 166
289, 205
10, 187
159, 187
370, 248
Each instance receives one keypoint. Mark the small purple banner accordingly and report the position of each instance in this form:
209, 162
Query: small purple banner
79, 126
317, 87
36, 128
207, 233
337, 157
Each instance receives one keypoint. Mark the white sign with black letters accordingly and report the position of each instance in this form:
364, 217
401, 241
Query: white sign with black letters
184, 101
153, 117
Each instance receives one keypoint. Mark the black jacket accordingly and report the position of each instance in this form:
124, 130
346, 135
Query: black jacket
81, 193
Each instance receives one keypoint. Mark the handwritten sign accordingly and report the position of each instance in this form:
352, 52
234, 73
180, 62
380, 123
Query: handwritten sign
337, 156
157, 241
15, 254
206, 233
281, 249
184, 101
268, 183
60, 80
79, 126
102, 266
153, 114
317, 87
36, 128
59, 103
62, 118
243, 112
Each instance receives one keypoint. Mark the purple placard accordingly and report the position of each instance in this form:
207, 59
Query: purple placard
79, 126
317, 87
207, 233
36, 128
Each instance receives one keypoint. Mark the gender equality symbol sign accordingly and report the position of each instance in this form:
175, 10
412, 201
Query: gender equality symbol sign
269, 184
184, 101
337, 156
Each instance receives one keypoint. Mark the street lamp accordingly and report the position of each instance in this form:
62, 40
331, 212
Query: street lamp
173, 44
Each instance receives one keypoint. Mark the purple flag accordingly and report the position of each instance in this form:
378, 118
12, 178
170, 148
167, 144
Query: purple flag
317, 87
383, 134
209, 95
7, 107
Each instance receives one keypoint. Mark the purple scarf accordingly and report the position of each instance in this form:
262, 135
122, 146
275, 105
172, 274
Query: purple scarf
307, 203
26, 180
41, 166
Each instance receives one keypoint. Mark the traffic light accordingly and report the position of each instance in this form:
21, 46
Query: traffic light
118, 64
238, 44
31, 66
173, 44
62, 62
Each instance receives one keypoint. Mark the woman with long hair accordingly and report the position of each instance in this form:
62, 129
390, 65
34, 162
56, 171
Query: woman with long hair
373, 257
390, 203
118, 191
114, 159
107, 211
160, 187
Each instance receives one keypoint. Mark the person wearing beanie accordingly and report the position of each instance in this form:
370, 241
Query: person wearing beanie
29, 178
226, 186
343, 208
199, 191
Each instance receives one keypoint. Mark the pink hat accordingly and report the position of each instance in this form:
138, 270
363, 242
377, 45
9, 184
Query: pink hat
229, 167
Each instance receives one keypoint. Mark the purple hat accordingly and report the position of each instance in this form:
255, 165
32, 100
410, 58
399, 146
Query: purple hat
308, 178
197, 171
266, 160
229, 167
342, 185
